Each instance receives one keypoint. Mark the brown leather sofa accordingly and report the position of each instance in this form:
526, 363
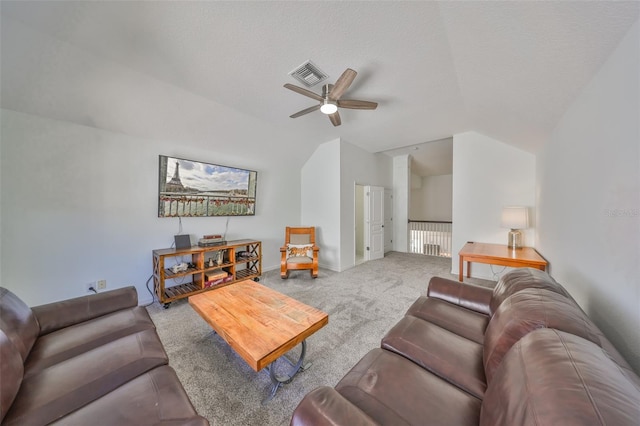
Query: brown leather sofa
93, 360
523, 353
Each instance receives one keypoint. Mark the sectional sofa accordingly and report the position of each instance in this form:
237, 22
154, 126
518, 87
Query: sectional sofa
523, 353
93, 360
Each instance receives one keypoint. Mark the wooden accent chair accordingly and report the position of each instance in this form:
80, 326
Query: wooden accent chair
299, 251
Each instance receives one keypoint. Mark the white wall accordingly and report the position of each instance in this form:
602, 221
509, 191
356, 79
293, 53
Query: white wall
433, 199
79, 204
362, 167
589, 198
401, 202
488, 175
320, 201
328, 196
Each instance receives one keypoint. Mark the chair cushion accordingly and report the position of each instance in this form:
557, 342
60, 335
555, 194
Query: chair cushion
300, 260
299, 250
18, 322
555, 378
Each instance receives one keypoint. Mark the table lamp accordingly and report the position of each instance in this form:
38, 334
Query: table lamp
515, 218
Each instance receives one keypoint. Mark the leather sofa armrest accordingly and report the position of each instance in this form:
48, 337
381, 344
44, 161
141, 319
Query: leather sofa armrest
468, 296
57, 315
325, 406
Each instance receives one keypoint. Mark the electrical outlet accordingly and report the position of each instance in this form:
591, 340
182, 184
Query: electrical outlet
89, 286
102, 285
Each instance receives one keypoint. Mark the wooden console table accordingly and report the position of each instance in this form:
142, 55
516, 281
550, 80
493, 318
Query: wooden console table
239, 260
499, 254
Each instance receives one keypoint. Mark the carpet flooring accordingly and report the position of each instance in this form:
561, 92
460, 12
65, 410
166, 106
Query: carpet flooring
363, 303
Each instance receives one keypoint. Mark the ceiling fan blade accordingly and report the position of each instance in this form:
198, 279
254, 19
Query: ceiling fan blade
342, 84
305, 92
305, 111
355, 104
335, 119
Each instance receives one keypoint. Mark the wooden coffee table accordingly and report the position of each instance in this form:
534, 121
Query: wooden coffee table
260, 324
498, 254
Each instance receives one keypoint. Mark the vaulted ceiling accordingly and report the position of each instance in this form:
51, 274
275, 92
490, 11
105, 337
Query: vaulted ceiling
157, 69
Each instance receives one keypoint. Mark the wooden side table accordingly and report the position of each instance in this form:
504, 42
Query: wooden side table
499, 254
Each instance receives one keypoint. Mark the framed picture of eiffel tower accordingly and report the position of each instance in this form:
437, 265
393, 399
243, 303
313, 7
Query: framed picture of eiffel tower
190, 188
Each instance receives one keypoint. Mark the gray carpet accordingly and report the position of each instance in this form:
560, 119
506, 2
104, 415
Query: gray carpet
363, 303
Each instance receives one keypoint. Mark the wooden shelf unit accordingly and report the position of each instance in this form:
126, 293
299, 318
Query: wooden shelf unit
241, 260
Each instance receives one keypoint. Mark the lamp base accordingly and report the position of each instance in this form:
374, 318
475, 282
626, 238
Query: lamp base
515, 239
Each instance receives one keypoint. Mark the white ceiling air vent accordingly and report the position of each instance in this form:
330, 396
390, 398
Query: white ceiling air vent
308, 74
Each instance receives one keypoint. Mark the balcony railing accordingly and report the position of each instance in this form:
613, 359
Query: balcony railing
430, 238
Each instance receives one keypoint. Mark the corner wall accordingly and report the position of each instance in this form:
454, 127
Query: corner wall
401, 202
488, 175
588, 182
320, 201
361, 167
328, 196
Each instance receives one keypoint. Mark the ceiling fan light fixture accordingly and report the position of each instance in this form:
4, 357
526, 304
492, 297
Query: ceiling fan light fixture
328, 107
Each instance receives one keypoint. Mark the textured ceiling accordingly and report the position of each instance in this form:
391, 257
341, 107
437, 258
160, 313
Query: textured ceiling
180, 70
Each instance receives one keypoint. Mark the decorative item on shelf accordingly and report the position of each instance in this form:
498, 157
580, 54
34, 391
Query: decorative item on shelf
243, 255
219, 257
515, 218
211, 240
180, 267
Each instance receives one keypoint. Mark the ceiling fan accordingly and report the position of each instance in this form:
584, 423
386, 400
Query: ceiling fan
330, 99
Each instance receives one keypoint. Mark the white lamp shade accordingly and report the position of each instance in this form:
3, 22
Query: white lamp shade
515, 217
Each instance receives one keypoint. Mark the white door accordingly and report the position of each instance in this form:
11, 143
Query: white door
374, 223
388, 220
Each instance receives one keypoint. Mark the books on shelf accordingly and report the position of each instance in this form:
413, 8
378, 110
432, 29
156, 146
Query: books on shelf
215, 282
215, 275
211, 240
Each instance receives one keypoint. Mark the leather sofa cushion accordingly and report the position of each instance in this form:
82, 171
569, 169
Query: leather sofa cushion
458, 320
68, 342
325, 406
393, 390
154, 398
529, 310
63, 388
18, 322
522, 279
57, 315
473, 297
454, 358
11, 372
555, 378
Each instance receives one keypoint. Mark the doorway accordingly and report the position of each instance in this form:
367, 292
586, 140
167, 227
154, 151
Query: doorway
359, 212
370, 231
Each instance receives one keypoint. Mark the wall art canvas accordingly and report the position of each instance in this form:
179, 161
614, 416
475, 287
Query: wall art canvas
190, 188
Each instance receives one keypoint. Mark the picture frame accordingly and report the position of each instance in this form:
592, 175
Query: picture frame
188, 188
